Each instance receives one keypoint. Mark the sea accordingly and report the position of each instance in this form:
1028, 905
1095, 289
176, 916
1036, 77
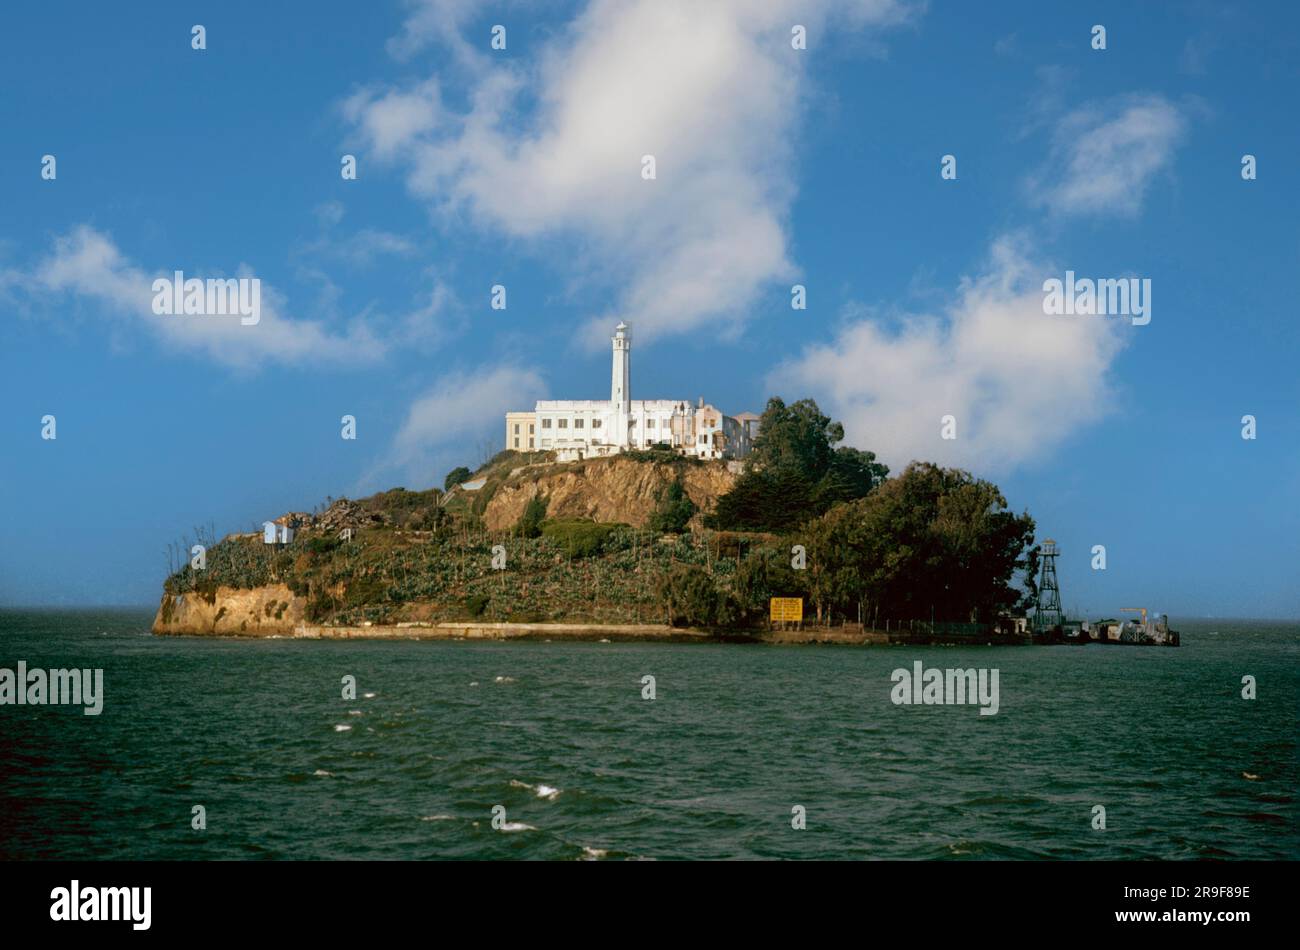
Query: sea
254, 749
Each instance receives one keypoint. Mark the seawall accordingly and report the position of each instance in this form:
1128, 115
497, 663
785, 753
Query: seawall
275, 611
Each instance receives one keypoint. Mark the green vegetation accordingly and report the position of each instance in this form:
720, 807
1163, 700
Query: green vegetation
455, 477
674, 510
795, 472
580, 539
930, 543
530, 522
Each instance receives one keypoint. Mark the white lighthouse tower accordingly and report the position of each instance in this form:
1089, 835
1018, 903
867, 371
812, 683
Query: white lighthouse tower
620, 393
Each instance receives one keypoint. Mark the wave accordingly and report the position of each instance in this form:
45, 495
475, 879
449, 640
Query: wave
548, 792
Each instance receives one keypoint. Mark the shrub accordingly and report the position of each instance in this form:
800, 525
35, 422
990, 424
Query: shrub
322, 545
476, 604
691, 598
456, 476
579, 539
673, 511
530, 522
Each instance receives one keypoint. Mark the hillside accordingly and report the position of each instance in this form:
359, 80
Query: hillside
426, 556
641, 538
621, 489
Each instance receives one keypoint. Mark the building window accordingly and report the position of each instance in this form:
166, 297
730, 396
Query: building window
546, 443
595, 423
704, 440
650, 423
530, 428
546, 423
530, 442
516, 442
564, 423
577, 423
516, 428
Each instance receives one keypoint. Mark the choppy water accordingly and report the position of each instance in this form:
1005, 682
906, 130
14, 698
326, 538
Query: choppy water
558, 734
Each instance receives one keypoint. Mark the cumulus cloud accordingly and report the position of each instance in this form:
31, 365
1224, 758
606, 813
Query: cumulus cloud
87, 264
1017, 381
553, 149
442, 422
1104, 155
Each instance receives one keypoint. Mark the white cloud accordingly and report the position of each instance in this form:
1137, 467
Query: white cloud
390, 118
441, 426
553, 150
87, 263
434, 21
1104, 155
1018, 382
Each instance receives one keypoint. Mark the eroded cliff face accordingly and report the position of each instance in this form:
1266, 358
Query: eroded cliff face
259, 612
606, 490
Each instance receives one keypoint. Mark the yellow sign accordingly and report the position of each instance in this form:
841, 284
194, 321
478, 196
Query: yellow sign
787, 608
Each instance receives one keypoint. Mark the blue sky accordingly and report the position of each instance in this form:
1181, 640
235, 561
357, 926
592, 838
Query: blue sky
774, 166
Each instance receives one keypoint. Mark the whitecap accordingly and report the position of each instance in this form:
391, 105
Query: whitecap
592, 854
504, 679
341, 728
354, 712
549, 792
368, 695
517, 826
437, 817
322, 772
1250, 776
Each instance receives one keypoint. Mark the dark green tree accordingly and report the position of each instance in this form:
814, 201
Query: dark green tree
673, 511
456, 476
795, 472
797, 437
530, 521
931, 542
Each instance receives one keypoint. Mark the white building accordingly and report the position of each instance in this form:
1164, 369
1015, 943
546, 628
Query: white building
588, 428
273, 533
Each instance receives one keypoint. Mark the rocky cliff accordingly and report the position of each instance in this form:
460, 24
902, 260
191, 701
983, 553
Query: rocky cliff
256, 612
617, 489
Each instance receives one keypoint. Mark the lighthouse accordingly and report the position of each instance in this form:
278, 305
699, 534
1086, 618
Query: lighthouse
620, 394
576, 429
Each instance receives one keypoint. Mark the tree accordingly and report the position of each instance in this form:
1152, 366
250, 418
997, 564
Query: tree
673, 511
691, 598
764, 574
798, 436
852, 473
794, 472
530, 521
1030, 566
931, 542
456, 476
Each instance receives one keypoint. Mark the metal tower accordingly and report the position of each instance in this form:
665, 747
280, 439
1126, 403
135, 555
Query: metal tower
1048, 613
